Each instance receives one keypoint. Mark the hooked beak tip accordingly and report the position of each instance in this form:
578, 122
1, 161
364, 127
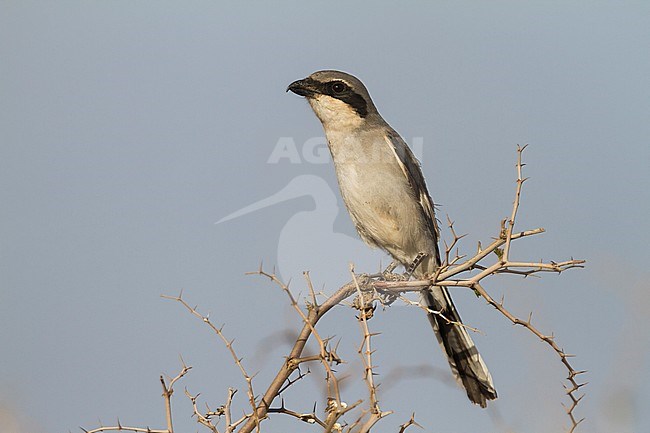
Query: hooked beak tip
301, 88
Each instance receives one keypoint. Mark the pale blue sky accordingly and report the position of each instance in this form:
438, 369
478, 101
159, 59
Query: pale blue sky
127, 129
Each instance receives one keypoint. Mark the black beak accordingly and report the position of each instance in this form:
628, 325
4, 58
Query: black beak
306, 87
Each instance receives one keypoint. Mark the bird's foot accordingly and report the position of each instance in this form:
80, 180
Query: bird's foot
415, 263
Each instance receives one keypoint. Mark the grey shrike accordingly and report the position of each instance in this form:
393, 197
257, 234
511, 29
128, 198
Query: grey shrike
384, 191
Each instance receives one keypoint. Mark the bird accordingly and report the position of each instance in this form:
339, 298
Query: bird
384, 191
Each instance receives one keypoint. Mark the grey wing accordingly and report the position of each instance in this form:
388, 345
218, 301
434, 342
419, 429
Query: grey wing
413, 172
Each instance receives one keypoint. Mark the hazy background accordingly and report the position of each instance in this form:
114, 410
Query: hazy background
127, 129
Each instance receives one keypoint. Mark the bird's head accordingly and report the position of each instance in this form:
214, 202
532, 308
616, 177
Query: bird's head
337, 98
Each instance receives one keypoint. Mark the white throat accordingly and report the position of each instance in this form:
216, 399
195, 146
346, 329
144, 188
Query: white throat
334, 114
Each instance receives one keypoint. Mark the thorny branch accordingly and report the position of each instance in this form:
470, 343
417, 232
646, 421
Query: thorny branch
365, 351
504, 265
408, 424
236, 359
168, 390
447, 275
386, 287
327, 356
550, 340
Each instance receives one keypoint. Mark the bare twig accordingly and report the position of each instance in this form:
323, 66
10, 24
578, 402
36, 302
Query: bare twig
409, 423
300, 376
550, 340
120, 427
227, 409
510, 225
201, 418
539, 267
168, 390
336, 407
314, 315
312, 292
365, 351
309, 418
229, 346
437, 313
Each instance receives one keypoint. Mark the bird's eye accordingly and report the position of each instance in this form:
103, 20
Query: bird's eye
338, 87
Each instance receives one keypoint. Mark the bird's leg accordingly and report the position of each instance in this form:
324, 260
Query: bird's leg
390, 268
415, 263
389, 274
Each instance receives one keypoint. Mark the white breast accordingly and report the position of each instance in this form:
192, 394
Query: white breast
376, 191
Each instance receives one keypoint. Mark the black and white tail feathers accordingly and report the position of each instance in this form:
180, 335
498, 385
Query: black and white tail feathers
465, 361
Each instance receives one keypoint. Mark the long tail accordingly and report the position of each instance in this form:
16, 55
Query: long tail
465, 361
